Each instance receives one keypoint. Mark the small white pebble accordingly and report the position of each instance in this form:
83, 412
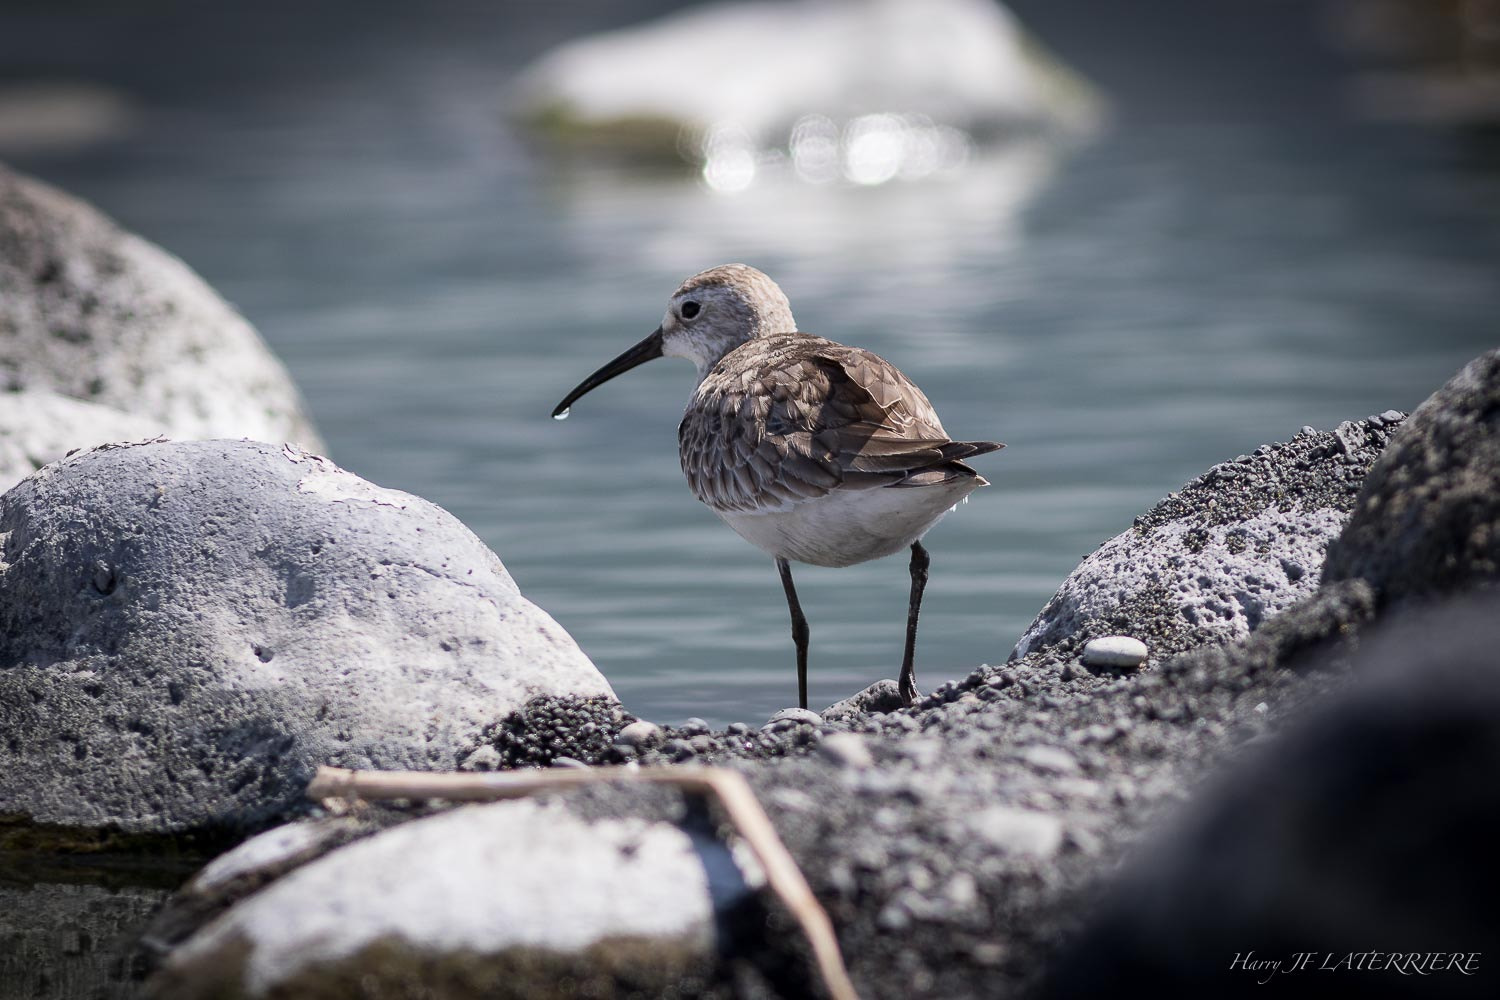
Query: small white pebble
638, 733
1019, 831
846, 750
794, 715
1051, 759
794, 800
486, 758
1262, 708
1114, 651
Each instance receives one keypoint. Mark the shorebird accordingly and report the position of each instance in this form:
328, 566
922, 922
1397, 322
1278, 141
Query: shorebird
810, 450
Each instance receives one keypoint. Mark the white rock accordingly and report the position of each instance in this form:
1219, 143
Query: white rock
38, 426
485, 882
753, 69
95, 314
189, 628
846, 750
1120, 651
1050, 759
792, 800
1019, 831
799, 716
638, 733
275, 850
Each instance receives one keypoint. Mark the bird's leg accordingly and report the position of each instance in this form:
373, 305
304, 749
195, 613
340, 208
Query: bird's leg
799, 629
919, 564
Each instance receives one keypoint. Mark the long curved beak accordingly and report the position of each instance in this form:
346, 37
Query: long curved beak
645, 351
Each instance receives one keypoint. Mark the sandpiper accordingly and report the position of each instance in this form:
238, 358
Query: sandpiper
812, 451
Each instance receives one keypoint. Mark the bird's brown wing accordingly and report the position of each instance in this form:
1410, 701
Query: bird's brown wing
792, 417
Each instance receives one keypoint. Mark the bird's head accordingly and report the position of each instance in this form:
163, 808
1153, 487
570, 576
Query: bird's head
708, 316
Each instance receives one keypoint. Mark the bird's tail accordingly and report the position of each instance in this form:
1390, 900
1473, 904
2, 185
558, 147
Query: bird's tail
971, 448
953, 467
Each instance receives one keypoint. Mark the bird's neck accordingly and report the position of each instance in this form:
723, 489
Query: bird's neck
705, 353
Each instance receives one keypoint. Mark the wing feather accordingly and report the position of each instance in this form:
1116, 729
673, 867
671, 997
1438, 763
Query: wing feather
791, 417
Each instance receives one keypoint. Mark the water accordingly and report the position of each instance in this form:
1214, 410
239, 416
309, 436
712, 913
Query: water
1235, 258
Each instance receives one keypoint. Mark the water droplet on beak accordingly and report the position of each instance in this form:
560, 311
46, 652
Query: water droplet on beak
561, 416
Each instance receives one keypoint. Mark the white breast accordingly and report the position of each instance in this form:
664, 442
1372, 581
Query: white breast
850, 526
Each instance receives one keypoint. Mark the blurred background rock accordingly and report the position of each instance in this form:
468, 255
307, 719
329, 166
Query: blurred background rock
1424, 60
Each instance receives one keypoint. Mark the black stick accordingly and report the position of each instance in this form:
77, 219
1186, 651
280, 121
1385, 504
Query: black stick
919, 564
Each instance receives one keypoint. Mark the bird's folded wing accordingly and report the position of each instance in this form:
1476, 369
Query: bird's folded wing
807, 417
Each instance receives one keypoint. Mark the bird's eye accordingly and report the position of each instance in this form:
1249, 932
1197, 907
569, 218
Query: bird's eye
690, 309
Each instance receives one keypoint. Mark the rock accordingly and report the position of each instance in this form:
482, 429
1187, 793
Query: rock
486, 758
1427, 522
91, 313
639, 733
882, 696
246, 869
1394, 777
1210, 563
795, 716
1050, 759
188, 629
1118, 651
1019, 831
524, 895
38, 426
60, 115
847, 750
809, 76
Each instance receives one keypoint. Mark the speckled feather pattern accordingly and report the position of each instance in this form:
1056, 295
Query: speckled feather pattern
789, 417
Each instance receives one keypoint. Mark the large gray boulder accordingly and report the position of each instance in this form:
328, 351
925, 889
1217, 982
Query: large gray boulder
1239, 544
187, 629
506, 899
95, 314
1427, 522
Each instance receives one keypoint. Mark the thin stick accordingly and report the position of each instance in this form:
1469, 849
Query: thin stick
731, 789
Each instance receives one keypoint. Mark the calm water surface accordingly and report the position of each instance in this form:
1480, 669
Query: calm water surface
1197, 282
